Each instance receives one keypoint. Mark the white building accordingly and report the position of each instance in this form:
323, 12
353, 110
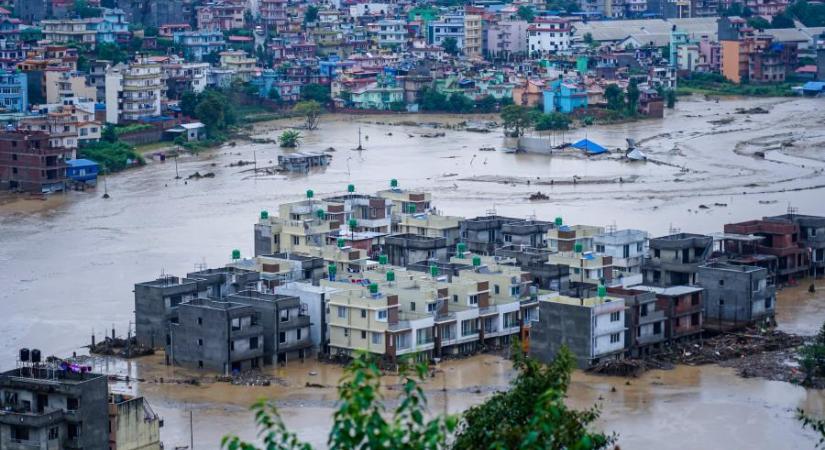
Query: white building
627, 247
392, 33
134, 91
548, 35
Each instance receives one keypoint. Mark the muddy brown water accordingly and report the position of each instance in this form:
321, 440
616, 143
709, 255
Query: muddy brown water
69, 263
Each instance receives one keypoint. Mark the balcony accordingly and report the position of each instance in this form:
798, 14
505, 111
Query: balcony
296, 322
295, 345
31, 420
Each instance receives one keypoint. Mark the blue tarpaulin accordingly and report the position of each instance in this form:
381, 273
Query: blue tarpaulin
590, 147
814, 86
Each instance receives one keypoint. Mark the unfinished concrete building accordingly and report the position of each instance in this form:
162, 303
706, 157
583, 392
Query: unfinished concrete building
683, 307
281, 268
645, 321
673, 260
534, 260
779, 239
404, 249
812, 236
50, 406
484, 234
285, 322
736, 295
217, 335
133, 425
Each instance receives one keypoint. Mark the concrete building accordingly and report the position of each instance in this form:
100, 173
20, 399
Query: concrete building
592, 328
200, 43
134, 91
286, 325
780, 240
473, 36
673, 260
157, 301
242, 65
736, 295
29, 162
14, 96
182, 76
484, 234
314, 302
46, 406
563, 238
404, 249
281, 268
645, 319
811, 235
628, 249
273, 14
156, 13
61, 84
220, 15
584, 267
506, 39
565, 96
450, 26
548, 36
683, 307
217, 335
429, 224
392, 33
545, 275
133, 424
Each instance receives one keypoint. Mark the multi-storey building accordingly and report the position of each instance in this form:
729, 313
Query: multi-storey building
242, 65
221, 15
405, 249
200, 43
134, 91
285, 322
28, 162
684, 308
47, 406
63, 84
110, 28
218, 335
68, 125
450, 26
156, 13
14, 95
780, 240
506, 39
484, 234
811, 235
736, 295
593, 328
673, 260
563, 238
273, 14
473, 39
584, 267
133, 424
182, 76
645, 320
392, 33
548, 36
627, 248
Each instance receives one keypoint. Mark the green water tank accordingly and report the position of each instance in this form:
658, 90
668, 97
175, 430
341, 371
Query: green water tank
236, 254
411, 208
382, 259
559, 222
373, 288
577, 248
434, 270
332, 270
394, 183
460, 248
390, 276
352, 223
341, 242
351, 188
602, 291
321, 214
264, 214
310, 193
476, 261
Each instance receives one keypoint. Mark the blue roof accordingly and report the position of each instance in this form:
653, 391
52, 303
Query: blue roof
590, 147
814, 86
81, 163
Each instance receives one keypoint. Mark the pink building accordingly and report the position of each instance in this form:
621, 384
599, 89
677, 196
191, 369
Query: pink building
507, 38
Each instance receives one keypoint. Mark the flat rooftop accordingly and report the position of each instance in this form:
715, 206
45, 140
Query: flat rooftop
672, 291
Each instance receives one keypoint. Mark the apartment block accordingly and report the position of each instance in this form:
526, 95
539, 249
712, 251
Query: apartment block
281, 268
683, 307
200, 43
563, 238
627, 248
29, 162
736, 295
47, 406
645, 319
811, 235
484, 234
404, 249
13, 91
286, 325
217, 335
673, 260
592, 328
134, 91
133, 425
781, 240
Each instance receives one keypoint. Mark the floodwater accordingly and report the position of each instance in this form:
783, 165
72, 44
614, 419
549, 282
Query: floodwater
69, 263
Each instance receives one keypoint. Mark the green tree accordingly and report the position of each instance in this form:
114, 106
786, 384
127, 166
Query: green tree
614, 96
188, 102
31, 34
811, 14
670, 98
213, 108
633, 97
459, 103
316, 92
588, 38
111, 52
310, 110
526, 13
362, 420
553, 121
532, 413
84, 11
486, 104
517, 118
759, 23
450, 46
273, 95
290, 139
311, 14
431, 100
109, 134
150, 32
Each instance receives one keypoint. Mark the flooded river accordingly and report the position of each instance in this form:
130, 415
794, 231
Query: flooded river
69, 264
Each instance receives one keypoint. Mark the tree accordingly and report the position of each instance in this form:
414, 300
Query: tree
273, 95
810, 14
188, 102
588, 38
111, 52
84, 11
450, 46
633, 97
150, 32
459, 103
109, 134
31, 34
614, 97
553, 121
290, 138
317, 92
782, 20
362, 420
311, 110
670, 98
517, 118
311, 14
431, 100
486, 104
758, 22
532, 413
526, 13
213, 108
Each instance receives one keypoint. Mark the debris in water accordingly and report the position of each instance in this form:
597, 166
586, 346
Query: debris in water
538, 196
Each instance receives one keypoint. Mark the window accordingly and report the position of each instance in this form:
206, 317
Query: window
376, 338
515, 291
282, 337
643, 311
363, 334
253, 342
768, 302
363, 313
20, 433
694, 320
284, 315
721, 282
200, 342
495, 289
694, 299
508, 238
412, 306
296, 240
346, 332
615, 337
54, 433
14, 156
599, 248
382, 314
432, 307
72, 404
639, 247
472, 300
299, 333
615, 316
455, 298
200, 364
657, 328
342, 312
200, 320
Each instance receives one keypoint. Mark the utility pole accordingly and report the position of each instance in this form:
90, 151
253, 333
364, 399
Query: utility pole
191, 432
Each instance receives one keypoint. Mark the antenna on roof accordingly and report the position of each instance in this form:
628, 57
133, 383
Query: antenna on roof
674, 230
201, 266
792, 210
611, 229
